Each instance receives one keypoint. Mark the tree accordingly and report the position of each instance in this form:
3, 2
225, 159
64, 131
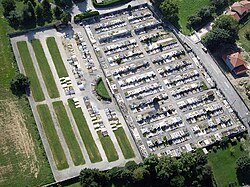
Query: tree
47, 10
220, 4
32, 1
140, 174
216, 38
243, 170
193, 21
177, 181
121, 175
28, 15
8, 6
14, 18
150, 163
229, 24
19, 84
92, 177
224, 31
39, 15
57, 12
169, 9
65, 18
131, 165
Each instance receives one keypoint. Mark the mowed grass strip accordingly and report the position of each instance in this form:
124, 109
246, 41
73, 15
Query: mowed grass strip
52, 137
85, 133
124, 143
30, 71
56, 57
45, 69
68, 133
108, 147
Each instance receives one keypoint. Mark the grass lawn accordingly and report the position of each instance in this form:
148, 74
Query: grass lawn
102, 90
68, 133
124, 143
30, 71
45, 69
56, 57
242, 39
223, 164
108, 147
52, 137
187, 8
85, 133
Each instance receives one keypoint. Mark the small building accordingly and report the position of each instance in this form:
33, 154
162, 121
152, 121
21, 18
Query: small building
235, 63
239, 9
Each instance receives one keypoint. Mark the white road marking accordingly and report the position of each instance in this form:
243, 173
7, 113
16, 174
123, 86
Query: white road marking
226, 84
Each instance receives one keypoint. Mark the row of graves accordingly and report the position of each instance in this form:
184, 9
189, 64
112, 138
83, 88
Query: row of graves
166, 95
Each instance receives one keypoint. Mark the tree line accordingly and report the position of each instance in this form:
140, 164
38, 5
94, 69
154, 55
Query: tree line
191, 169
33, 13
224, 32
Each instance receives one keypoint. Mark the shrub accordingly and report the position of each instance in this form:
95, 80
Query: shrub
84, 15
109, 3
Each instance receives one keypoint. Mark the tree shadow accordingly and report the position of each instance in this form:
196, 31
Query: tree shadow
243, 177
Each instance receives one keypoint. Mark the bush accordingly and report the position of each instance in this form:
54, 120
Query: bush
109, 3
84, 15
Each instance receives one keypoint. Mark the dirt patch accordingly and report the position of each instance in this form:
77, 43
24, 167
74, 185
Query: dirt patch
14, 130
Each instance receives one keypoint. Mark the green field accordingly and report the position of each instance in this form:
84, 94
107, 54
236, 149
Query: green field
30, 71
187, 8
85, 133
223, 164
45, 69
124, 143
52, 137
102, 90
56, 57
108, 147
68, 133
242, 39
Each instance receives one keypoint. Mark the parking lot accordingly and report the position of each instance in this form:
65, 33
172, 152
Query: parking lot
169, 100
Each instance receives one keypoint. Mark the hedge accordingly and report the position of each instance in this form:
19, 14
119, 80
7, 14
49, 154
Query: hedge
84, 15
107, 3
